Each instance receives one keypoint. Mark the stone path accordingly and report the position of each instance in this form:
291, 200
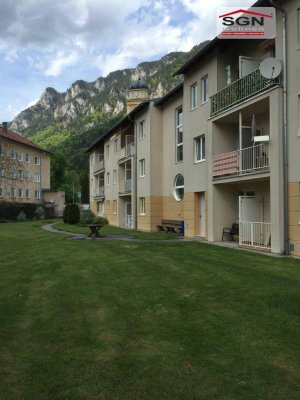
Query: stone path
82, 236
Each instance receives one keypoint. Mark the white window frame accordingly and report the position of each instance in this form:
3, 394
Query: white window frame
107, 179
176, 187
37, 177
20, 174
116, 143
1, 192
114, 207
204, 89
201, 140
12, 154
27, 158
13, 192
20, 156
1, 171
37, 194
107, 151
141, 130
194, 96
37, 160
114, 176
20, 196
1, 151
179, 129
298, 27
27, 193
142, 167
142, 206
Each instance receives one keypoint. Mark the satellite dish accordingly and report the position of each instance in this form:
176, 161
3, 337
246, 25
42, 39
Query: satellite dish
270, 68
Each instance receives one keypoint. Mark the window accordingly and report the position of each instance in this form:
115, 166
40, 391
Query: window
26, 175
13, 192
13, 174
1, 191
27, 158
37, 177
115, 176
100, 208
1, 151
27, 194
20, 156
115, 206
141, 130
107, 150
13, 154
142, 205
37, 194
1, 171
204, 85
142, 167
37, 160
179, 187
20, 174
116, 145
20, 193
179, 135
107, 179
298, 26
200, 148
193, 96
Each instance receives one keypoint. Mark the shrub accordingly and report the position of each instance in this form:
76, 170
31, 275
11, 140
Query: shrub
87, 217
21, 217
101, 221
71, 214
11, 210
3, 221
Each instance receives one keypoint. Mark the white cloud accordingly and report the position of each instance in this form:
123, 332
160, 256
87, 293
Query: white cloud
61, 61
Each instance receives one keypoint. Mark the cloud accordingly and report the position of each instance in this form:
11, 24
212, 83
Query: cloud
61, 61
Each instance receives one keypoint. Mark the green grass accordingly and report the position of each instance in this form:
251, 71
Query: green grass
113, 230
128, 320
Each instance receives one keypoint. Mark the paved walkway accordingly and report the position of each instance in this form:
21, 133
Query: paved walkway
82, 236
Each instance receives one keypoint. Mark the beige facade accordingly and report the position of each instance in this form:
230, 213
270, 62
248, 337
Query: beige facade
219, 138
24, 169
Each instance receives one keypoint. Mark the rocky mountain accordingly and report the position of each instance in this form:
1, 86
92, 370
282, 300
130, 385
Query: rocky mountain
70, 121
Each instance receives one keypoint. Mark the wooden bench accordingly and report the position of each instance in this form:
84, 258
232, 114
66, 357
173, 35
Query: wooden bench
170, 226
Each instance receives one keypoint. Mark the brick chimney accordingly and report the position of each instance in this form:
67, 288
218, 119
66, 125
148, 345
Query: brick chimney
4, 126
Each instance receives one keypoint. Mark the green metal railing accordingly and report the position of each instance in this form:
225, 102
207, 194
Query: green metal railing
240, 90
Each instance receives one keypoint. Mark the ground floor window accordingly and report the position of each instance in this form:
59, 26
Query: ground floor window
142, 206
100, 208
115, 206
179, 187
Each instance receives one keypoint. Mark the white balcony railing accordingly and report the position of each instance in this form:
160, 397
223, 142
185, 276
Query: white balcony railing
125, 186
239, 162
126, 151
255, 234
100, 192
98, 167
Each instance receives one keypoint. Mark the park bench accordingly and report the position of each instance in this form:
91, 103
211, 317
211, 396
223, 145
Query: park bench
169, 225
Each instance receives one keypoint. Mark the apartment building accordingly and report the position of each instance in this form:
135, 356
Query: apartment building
24, 168
218, 149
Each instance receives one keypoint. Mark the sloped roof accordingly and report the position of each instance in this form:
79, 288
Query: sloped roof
15, 137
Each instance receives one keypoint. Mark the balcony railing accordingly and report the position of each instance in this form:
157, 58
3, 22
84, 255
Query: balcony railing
98, 167
125, 186
255, 234
241, 162
240, 90
126, 151
100, 192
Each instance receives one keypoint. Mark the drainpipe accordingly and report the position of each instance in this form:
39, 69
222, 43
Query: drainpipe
285, 125
135, 175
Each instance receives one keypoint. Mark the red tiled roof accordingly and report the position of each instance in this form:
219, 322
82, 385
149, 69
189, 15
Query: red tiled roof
15, 137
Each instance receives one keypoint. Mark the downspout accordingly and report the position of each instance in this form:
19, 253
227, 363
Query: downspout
135, 175
285, 125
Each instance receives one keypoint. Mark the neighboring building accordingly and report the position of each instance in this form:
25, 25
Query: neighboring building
211, 152
24, 170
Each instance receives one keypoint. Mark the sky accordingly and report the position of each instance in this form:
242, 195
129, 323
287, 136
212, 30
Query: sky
52, 43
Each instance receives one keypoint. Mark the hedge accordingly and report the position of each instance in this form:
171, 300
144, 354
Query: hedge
11, 210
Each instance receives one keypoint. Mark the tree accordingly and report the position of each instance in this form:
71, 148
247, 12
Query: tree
58, 170
85, 189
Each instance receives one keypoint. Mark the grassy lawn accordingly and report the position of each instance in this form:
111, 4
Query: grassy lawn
91, 320
112, 230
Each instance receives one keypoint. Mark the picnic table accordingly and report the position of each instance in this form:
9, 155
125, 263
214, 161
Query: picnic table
94, 230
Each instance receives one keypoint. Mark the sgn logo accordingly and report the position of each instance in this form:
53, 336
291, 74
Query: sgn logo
255, 23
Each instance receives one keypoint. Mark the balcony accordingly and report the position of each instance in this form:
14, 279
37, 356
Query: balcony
253, 159
239, 91
255, 235
126, 151
98, 167
125, 186
100, 192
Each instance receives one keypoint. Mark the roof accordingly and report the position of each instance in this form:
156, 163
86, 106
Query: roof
15, 137
210, 46
170, 94
125, 119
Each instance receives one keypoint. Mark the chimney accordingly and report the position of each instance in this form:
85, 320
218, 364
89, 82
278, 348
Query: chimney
4, 126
